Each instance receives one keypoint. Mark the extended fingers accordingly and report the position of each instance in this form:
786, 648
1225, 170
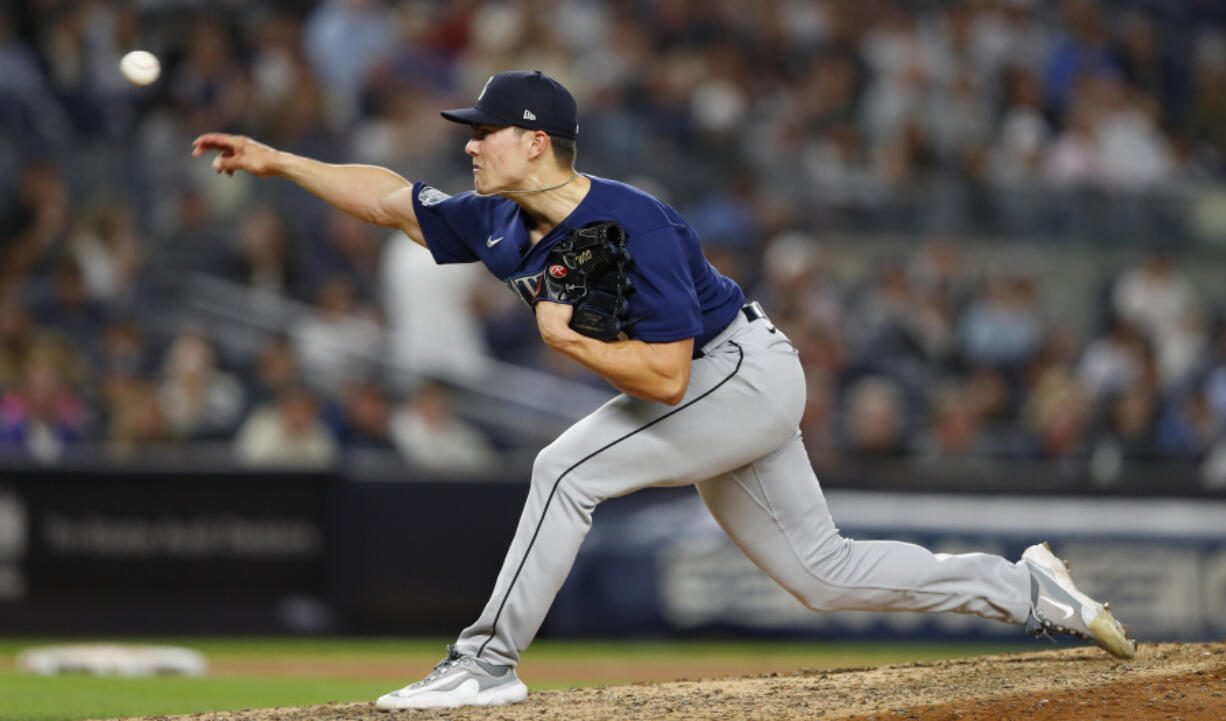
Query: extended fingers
230, 151
214, 141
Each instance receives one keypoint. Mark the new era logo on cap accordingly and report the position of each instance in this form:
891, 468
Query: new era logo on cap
506, 97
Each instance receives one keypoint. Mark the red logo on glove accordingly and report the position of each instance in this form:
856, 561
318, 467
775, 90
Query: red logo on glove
557, 271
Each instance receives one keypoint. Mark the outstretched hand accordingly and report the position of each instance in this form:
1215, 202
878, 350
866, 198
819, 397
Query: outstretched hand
236, 152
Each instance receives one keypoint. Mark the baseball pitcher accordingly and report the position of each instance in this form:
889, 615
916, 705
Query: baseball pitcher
712, 392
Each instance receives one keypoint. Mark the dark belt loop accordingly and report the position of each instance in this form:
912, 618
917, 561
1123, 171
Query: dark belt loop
753, 311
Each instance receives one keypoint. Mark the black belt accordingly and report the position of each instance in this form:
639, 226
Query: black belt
752, 312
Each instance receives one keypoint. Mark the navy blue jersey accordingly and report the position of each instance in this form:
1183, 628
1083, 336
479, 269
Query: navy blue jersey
677, 295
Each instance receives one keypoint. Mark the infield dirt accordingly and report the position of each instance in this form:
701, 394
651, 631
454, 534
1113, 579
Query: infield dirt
1167, 682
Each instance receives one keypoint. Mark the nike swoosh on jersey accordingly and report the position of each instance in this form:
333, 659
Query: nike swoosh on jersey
1068, 610
491, 241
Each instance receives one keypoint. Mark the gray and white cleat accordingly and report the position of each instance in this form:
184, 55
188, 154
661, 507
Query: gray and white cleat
458, 681
1056, 605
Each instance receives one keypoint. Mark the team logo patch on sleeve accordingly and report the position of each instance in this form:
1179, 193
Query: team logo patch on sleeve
428, 196
527, 286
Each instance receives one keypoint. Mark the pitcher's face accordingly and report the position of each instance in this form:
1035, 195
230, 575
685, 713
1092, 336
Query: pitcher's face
500, 157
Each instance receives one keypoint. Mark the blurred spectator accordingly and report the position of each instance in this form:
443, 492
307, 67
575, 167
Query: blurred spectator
349, 248
20, 76
68, 308
796, 287
107, 250
264, 254
426, 432
990, 398
418, 59
201, 401
1207, 122
344, 39
1129, 423
1133, 153
210, 85
1143, 60
401, 134
35, 225
279, 63
16, 332
882, 323
1004, 327
337, 342
431, 310
1187, 429
874, 418
1072, 160
276, 370
404, 90
287, 432
725, 219
137, 420
1057, 414
1161, 302
956, 430
123, 359
1023, 134
1112, 362
301, 125
1083, 52
367, 413
197, 236
42, 417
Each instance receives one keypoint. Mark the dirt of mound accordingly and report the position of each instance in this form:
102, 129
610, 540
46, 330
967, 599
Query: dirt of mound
1172, 682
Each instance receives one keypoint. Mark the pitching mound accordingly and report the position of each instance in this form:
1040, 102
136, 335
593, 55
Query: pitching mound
1172, 682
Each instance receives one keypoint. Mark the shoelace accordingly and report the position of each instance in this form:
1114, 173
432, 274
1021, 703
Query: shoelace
453, 659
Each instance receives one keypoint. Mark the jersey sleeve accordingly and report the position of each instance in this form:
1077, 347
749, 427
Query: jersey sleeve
664, 296
445, 221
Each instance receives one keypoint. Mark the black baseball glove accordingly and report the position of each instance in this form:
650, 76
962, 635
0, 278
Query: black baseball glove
587, 270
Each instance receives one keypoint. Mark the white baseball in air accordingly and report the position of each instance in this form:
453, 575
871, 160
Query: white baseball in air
140, 67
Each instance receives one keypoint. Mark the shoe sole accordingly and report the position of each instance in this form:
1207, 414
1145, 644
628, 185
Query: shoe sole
1110, 635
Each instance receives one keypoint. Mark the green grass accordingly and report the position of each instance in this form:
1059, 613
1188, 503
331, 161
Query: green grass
61, 698
24, 697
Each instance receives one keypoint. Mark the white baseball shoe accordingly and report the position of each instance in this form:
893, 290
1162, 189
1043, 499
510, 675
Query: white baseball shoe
1057, 606
458, 681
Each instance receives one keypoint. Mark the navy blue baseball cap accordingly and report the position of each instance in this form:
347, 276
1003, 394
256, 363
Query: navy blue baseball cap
524, 98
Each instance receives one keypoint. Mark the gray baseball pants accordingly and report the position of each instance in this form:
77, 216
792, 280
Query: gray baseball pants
735, 436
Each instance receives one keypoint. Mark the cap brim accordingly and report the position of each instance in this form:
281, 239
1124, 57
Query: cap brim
472, 116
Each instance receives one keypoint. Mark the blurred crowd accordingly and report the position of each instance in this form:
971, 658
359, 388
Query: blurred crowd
767, 124
935, 357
